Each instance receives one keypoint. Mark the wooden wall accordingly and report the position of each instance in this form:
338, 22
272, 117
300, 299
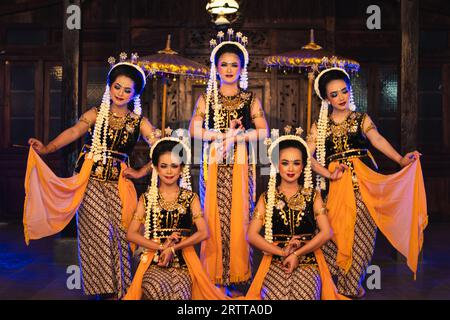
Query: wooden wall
31, 35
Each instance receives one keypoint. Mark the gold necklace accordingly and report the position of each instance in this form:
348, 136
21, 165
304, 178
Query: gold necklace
169, 205
231, 103
117, 122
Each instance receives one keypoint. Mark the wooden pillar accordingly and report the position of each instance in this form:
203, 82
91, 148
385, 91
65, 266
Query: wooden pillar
330, 25
409, 74
125, 29
70, 104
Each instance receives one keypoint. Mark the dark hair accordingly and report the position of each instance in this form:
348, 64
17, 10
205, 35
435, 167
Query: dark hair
169, 146
290, 144
230, 48
330, 76
130, 72
133, 74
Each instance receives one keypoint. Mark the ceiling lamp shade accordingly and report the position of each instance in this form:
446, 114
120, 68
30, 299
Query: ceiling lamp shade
222, 7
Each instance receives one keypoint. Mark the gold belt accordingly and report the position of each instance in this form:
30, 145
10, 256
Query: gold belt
110, 154
287, 237
161, 231
353, 153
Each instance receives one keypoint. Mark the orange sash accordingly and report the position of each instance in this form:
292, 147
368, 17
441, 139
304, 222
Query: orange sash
202, 288
211, 249
51, 202
396, 202
329, 291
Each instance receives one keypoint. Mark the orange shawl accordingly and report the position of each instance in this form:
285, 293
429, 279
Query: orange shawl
202, 288
329, 291
51, 202
211, 249
396, 202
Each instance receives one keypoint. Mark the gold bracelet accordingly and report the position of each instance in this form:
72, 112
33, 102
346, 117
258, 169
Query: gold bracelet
322, 210
257, 215
85, 120
259, 114
199, 113
173, 250
139, 219
197, 216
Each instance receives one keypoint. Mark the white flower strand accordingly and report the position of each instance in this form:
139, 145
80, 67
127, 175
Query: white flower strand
186, 178
98, 147
268, 227
216, 105
243, 82
351, 105
151, 196
320, 143
137, 105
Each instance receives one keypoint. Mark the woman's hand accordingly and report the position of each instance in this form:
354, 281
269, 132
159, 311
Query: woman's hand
290, 263
338, 172
236, 124
409, 158
171, 240
292, 245
38, 146
175, 237
227, 146
130, 173
235, 128
165, 257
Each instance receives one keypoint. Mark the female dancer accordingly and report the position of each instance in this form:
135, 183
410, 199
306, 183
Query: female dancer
363, 199
169, 268
296, 226
227, 118
100, 190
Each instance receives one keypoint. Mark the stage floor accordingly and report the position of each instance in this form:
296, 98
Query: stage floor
35, 272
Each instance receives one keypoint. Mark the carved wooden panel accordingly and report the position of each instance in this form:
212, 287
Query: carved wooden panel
288, 106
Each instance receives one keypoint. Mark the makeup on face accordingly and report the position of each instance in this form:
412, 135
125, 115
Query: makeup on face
291, 165
338, 94
229, 67
122, 90
169, 168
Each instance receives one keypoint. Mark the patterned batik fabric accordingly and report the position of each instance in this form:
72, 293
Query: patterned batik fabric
303, 283
363, 247
224, 192
104, 252
161, 283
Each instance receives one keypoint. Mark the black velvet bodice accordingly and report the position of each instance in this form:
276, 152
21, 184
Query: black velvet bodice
233, 107
294, 216
171, 217
123, 134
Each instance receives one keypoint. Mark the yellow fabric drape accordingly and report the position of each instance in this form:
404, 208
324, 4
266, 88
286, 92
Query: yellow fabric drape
211, 249
202, 287
51, 202
328, 292
134, 292
128, 198
396, 202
